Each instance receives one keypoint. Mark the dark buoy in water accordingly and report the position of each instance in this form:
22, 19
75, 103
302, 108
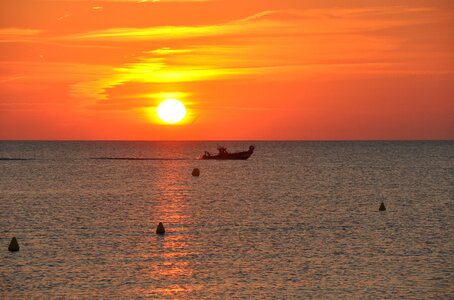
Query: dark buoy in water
160, 229
196, 172
13, 245
382, 207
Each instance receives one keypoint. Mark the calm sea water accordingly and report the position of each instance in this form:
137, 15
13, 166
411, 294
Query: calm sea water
296, 220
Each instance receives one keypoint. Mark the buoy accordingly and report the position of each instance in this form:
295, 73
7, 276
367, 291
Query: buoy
160, 229
382, 207
196, 172
13, 245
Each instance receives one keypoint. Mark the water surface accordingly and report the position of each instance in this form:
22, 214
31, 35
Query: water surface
296, 220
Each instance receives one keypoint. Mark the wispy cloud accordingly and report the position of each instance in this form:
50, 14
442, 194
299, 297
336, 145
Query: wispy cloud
66, 16
7, 32
12, 35
268, 44
267, 23
136, 1
147, 34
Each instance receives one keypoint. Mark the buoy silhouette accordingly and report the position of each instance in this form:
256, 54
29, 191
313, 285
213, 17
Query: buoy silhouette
382, 207
13, 245
160, 229
195, 172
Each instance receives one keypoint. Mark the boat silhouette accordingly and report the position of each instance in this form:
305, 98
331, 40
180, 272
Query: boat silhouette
224, 154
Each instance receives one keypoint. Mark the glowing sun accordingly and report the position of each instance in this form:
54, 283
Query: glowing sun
171, 111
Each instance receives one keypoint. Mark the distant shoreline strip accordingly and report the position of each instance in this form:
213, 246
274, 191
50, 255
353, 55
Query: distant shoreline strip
137, 158
7, 158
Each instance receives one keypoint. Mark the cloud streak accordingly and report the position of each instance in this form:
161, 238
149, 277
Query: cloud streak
288, 43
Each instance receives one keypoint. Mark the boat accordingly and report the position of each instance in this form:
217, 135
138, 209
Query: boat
224, 154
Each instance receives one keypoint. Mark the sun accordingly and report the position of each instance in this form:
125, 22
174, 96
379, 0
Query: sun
171, 111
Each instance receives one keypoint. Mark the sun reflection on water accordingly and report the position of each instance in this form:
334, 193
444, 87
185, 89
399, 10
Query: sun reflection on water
171, 255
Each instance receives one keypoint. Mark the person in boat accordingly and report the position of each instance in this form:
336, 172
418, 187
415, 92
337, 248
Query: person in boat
222, 150
207, 154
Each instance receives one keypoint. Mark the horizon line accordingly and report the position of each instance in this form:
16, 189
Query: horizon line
228, 140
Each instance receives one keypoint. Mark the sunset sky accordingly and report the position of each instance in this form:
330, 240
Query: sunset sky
244, 69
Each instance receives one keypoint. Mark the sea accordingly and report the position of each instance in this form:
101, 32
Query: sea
297, 220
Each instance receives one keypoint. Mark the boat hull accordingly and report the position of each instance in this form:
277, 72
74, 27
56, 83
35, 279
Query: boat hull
229, 156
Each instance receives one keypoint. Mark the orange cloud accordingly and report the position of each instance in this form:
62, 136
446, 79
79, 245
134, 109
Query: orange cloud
306, 49
14, 35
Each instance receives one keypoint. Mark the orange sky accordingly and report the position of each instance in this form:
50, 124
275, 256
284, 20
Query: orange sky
245, 69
